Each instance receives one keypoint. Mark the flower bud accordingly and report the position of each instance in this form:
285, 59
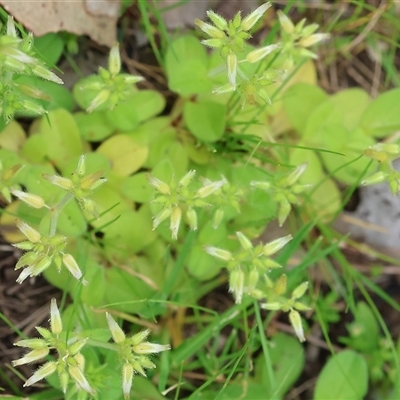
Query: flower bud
209, 29
313, 39
295, 320
77, 375
55, 318
192, 218
236, 284
219, 22
159, 185
285, 22
375, 178
139, 337
244, 241
280, 285
295, 175
31, 343
101, 98
63, 183
250, 20
161, 216
44, 371
258, 54
218, 253
261, 185
231, 62
273, 306
300, 290
218, 216
127, 378
31, 199
11, 31
117, 333
214, 43
283, 212
72, 266
114, 60
44, 73
187, 178
176, 216
32, 356
32, 234
150, 348
276, 245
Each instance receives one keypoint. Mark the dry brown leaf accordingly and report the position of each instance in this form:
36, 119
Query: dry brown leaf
94, 18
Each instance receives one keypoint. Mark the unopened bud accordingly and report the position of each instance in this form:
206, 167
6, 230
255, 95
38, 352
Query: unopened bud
219, 22
117, 333
244, 241
250, 20
258, 54
32, 234
218, 253
159, 185
72, 266
59, 181
295, 320
285, 22
276, 245
31, 199
210, 30
300, 290
231, 62
114, 60
176, 216
55, 318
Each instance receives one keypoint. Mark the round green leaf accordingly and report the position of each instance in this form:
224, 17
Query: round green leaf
137, 188
125, 154
186, 64
382, 116
299, 101
61, 136
345, 376
49, 48
205, 119
93, 127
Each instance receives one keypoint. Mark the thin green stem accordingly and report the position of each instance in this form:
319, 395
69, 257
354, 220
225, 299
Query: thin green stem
55, 212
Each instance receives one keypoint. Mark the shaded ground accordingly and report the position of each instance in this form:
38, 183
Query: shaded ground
355, 64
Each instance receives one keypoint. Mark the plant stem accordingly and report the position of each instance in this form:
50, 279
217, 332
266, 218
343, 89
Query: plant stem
55, 212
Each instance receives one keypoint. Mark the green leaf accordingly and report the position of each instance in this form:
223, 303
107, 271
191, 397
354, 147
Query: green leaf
345, 376
336, 137
352, 103
141, 106
12, 137
137, 188
61, 137
126, 156
287, 357
382, 117
205, 119
93, 127
186, 65
299, 101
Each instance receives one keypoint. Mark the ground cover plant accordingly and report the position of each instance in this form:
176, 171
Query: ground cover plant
138, 210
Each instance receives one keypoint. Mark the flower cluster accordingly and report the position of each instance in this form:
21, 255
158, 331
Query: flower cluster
68, 364
231, 36
274, 294
285, 191
17, 57
110, 85
176, 198
133, 353
80, 186
384, 153
296, 39
249, 263
42, 251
